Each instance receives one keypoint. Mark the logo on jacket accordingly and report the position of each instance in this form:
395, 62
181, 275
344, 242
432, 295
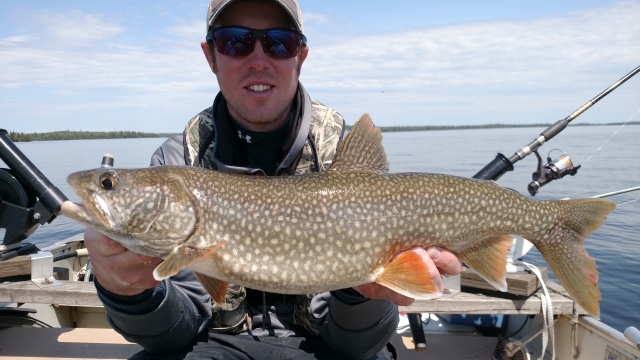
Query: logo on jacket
247, 138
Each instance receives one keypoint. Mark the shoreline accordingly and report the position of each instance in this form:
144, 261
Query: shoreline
101, 135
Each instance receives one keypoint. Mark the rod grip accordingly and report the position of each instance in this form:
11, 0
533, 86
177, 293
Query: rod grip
495, 169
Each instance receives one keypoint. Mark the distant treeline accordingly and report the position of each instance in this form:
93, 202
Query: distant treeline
86, 135
83, 135
18, 136
486, 126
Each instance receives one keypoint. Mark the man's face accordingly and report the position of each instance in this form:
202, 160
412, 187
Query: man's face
259, 89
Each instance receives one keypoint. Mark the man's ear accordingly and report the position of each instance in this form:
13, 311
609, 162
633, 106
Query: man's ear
210, 55
302, 56
304, 52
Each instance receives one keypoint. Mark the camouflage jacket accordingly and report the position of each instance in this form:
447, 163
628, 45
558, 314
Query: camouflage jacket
320, 133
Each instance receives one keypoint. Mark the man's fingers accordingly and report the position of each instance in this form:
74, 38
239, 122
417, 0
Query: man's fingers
129, 259
446, 262
101, 245
118, 269
127, 273
438, 261
433, 270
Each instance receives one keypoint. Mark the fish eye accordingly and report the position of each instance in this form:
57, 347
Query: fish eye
108, 180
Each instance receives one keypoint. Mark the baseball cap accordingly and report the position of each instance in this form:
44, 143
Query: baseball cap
290, 6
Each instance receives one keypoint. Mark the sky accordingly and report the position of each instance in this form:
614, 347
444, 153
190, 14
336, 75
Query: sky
137, 65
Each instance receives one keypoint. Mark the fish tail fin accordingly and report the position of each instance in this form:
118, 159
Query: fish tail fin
566, 256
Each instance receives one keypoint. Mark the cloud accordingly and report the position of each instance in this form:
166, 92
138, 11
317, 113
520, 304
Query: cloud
82, 54
16, 40
314, 18
76, 28
481, 54
190, 31
88, 74
457, 74
497, 68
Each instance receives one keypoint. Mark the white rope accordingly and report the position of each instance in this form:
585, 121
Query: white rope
547, 314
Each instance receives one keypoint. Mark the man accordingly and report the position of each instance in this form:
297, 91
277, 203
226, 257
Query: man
262, 122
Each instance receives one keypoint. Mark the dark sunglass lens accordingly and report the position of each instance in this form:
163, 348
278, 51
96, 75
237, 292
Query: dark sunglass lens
281, 44
234, 41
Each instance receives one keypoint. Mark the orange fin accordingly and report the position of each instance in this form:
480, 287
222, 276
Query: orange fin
181, 257
361, 149
409, 275
216, 288
487, 256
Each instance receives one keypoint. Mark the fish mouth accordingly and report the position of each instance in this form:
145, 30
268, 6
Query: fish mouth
97, 215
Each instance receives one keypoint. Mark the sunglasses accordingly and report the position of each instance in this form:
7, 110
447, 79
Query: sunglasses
240, 41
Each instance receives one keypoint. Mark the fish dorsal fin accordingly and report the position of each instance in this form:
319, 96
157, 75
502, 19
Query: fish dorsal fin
362, 149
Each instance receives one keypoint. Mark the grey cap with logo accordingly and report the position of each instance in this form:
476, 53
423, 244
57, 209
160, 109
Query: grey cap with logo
290, 6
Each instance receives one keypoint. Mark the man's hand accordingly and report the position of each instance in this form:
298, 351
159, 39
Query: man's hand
437, 259
118, 269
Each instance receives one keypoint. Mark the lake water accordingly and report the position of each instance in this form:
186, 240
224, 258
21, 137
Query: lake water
615, 166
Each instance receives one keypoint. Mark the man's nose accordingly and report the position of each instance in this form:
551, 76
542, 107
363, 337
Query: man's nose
258, 60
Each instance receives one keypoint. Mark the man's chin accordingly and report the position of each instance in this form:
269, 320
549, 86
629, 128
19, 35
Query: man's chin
261, 118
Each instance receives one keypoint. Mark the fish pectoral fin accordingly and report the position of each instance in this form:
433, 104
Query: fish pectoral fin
216, 288
182, 257
488, 257
408, 275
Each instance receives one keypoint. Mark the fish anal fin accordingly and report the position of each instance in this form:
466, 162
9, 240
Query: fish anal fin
216, 288
408, 275
361, 149
487, 256
181, 257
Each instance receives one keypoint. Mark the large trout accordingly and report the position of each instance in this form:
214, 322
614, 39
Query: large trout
336, 229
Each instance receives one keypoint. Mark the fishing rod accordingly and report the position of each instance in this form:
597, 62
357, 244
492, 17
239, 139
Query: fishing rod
615, 192
553, 170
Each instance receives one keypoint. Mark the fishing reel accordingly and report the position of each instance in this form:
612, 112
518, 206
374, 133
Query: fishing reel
553, 170
27, 200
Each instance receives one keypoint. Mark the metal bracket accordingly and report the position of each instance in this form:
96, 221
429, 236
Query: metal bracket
520, 247
42, 270
452, 285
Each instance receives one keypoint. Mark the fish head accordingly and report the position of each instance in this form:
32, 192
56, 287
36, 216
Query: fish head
149, 211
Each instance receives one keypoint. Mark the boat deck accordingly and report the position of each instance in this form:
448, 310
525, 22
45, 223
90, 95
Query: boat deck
28, 343
103, 343
31, 343
76, 293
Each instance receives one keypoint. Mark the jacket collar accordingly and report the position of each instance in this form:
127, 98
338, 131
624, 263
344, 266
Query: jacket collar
301, 121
